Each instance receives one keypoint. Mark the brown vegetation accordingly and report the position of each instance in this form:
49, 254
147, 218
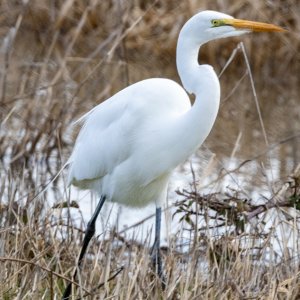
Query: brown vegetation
58, 58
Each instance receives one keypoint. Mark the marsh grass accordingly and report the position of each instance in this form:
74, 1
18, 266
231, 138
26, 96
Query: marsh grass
60, 58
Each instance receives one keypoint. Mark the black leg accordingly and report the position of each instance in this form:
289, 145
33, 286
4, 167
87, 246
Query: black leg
156, 258
90, 231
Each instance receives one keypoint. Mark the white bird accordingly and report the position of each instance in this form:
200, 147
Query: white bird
130, 144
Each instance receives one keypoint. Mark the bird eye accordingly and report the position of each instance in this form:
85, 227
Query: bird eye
215, 23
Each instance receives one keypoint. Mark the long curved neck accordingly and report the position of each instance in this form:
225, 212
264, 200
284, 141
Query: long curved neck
187, 63
194, 77
202, 81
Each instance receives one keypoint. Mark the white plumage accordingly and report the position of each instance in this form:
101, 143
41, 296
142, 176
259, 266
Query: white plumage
123, 150
130, 144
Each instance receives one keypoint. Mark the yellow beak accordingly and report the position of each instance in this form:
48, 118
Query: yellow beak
252, 26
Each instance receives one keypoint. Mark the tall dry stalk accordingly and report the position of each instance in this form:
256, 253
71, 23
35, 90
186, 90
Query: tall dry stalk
59, 59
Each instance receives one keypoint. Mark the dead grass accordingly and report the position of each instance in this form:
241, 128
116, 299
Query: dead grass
239, 262
60, 58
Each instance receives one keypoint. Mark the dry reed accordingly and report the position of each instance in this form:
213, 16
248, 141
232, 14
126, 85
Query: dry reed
60, 58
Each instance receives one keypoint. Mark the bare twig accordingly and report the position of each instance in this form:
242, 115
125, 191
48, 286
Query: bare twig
24, 261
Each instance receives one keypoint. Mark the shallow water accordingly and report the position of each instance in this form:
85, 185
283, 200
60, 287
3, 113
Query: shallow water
243, 153
254, 181
232, 158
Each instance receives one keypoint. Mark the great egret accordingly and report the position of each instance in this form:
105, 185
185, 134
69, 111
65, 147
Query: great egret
130, 144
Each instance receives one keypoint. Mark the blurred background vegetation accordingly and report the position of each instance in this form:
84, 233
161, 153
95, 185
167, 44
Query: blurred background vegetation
59, 58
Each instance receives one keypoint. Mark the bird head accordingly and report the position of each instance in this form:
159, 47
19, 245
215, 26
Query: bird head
209, 25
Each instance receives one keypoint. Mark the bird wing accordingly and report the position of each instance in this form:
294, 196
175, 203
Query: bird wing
97, 147
110, 130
